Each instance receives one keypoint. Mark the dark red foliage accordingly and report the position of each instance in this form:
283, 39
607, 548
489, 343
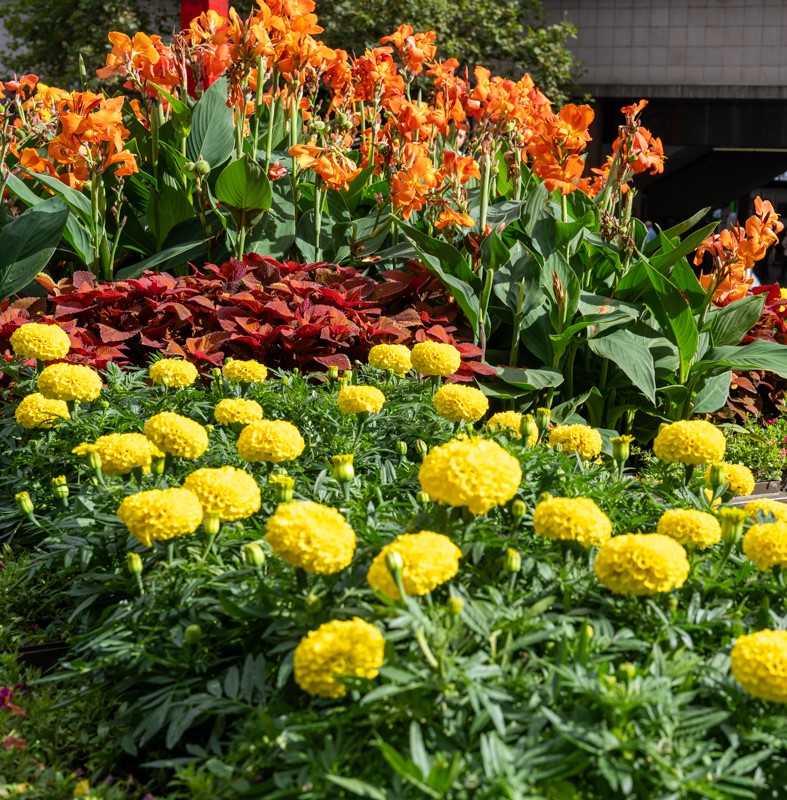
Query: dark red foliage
285, 314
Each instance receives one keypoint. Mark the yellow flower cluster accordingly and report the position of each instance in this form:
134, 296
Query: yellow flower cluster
43, 342
173, 372
642, 564
273, 441
435, 358
177, 435
226, 492
765, 507
37, 411
160, 514
690, 527
765, 544
458, 403
69, 382
759, 663
312, 537
511, 422
245, 371
237, 411
360, 400
476, 473
739, 477
428, 560
121, 452
572, 519
395, 357
693, 441
580, 439
340, 648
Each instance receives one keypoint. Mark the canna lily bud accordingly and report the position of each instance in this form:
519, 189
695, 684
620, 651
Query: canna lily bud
24, 503
621, 448
527, 427
518, 509
343, 470
253, 554
134, 563
543, 416
193, 635
513, 562
202, 167
731, 520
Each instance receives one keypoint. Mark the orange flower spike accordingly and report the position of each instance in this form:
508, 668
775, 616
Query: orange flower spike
32, 161
452, 219
128, 55
399, 37
572, 125
460, 167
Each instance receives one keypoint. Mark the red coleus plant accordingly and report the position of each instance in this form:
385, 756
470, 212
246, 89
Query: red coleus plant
285, 314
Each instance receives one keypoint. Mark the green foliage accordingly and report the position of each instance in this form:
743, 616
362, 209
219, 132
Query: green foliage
761, 447
509, 37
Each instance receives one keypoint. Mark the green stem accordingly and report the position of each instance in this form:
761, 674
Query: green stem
240, 244
486, 174
564, 207
293, 141
513, 355
258, 104
317, 218
486, 294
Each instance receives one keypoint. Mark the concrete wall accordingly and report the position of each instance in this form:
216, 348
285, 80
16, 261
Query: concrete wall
724, 48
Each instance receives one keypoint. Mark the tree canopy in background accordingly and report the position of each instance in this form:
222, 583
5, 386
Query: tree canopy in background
507, 36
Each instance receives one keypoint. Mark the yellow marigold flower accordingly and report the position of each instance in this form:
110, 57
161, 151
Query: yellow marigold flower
476, 473
173, 372
766, 545
642, 564
245, 371
121, 452
511, 422
160, 514
765, 507
395, 357
428, 561
693, 441
581, 439
690, 527
759, 663
270, 440
225, 492
435, 358
237, 411
458, 403
340, 648
177, 435
37, 411
43, 342
739, 477
312, 537
573, 519
69, 382
360, 399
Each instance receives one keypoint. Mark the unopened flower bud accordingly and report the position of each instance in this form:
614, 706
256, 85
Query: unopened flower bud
313, 603
216, 372
253, 555
202, 167
284, 486
134, 563
518, 509
60, 487
333, 373
421, 448
104, 404
212, 524
587, 631
193, 635
24, 503
716, 475
422, 498
455, 605
94, 461
626, 671
527, 427
513, 562
401, 448
189, 166
621, 448
543, 497
394, 562
346, 376
731, 520
543, 415
343, 470
157, 466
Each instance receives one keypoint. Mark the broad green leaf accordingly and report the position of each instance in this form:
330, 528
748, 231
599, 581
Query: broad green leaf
713, 394
28, 242
212, 135
275, 233
76, 201
181, 113
663, 261
494, 253
167, 259
729, 324
530, 379
534, 207
686, 225
357, 787
761, 354
170, 207
243, 185
449, 257
627, 351
568, 235
684, 278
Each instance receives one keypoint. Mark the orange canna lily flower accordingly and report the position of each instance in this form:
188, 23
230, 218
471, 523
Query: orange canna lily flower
452, 219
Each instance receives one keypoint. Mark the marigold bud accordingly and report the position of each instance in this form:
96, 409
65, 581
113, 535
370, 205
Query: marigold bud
587, 631
193, 635
394, 562
284, 486
401, 449
518, 509
731, 520
343, 470
513, 562
543, 416
313, 603
216, 373
527, 427
211, 523
60, 487
716, 475
104, 404
621, 449
333, 373
422, 498
94, 461
253, 554
455, 605
134, 563
345, 377
543, 497
157, 466
24, 503
421, 448
626, 671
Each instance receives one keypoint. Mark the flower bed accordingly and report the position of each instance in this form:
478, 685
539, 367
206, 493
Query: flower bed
268, 589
